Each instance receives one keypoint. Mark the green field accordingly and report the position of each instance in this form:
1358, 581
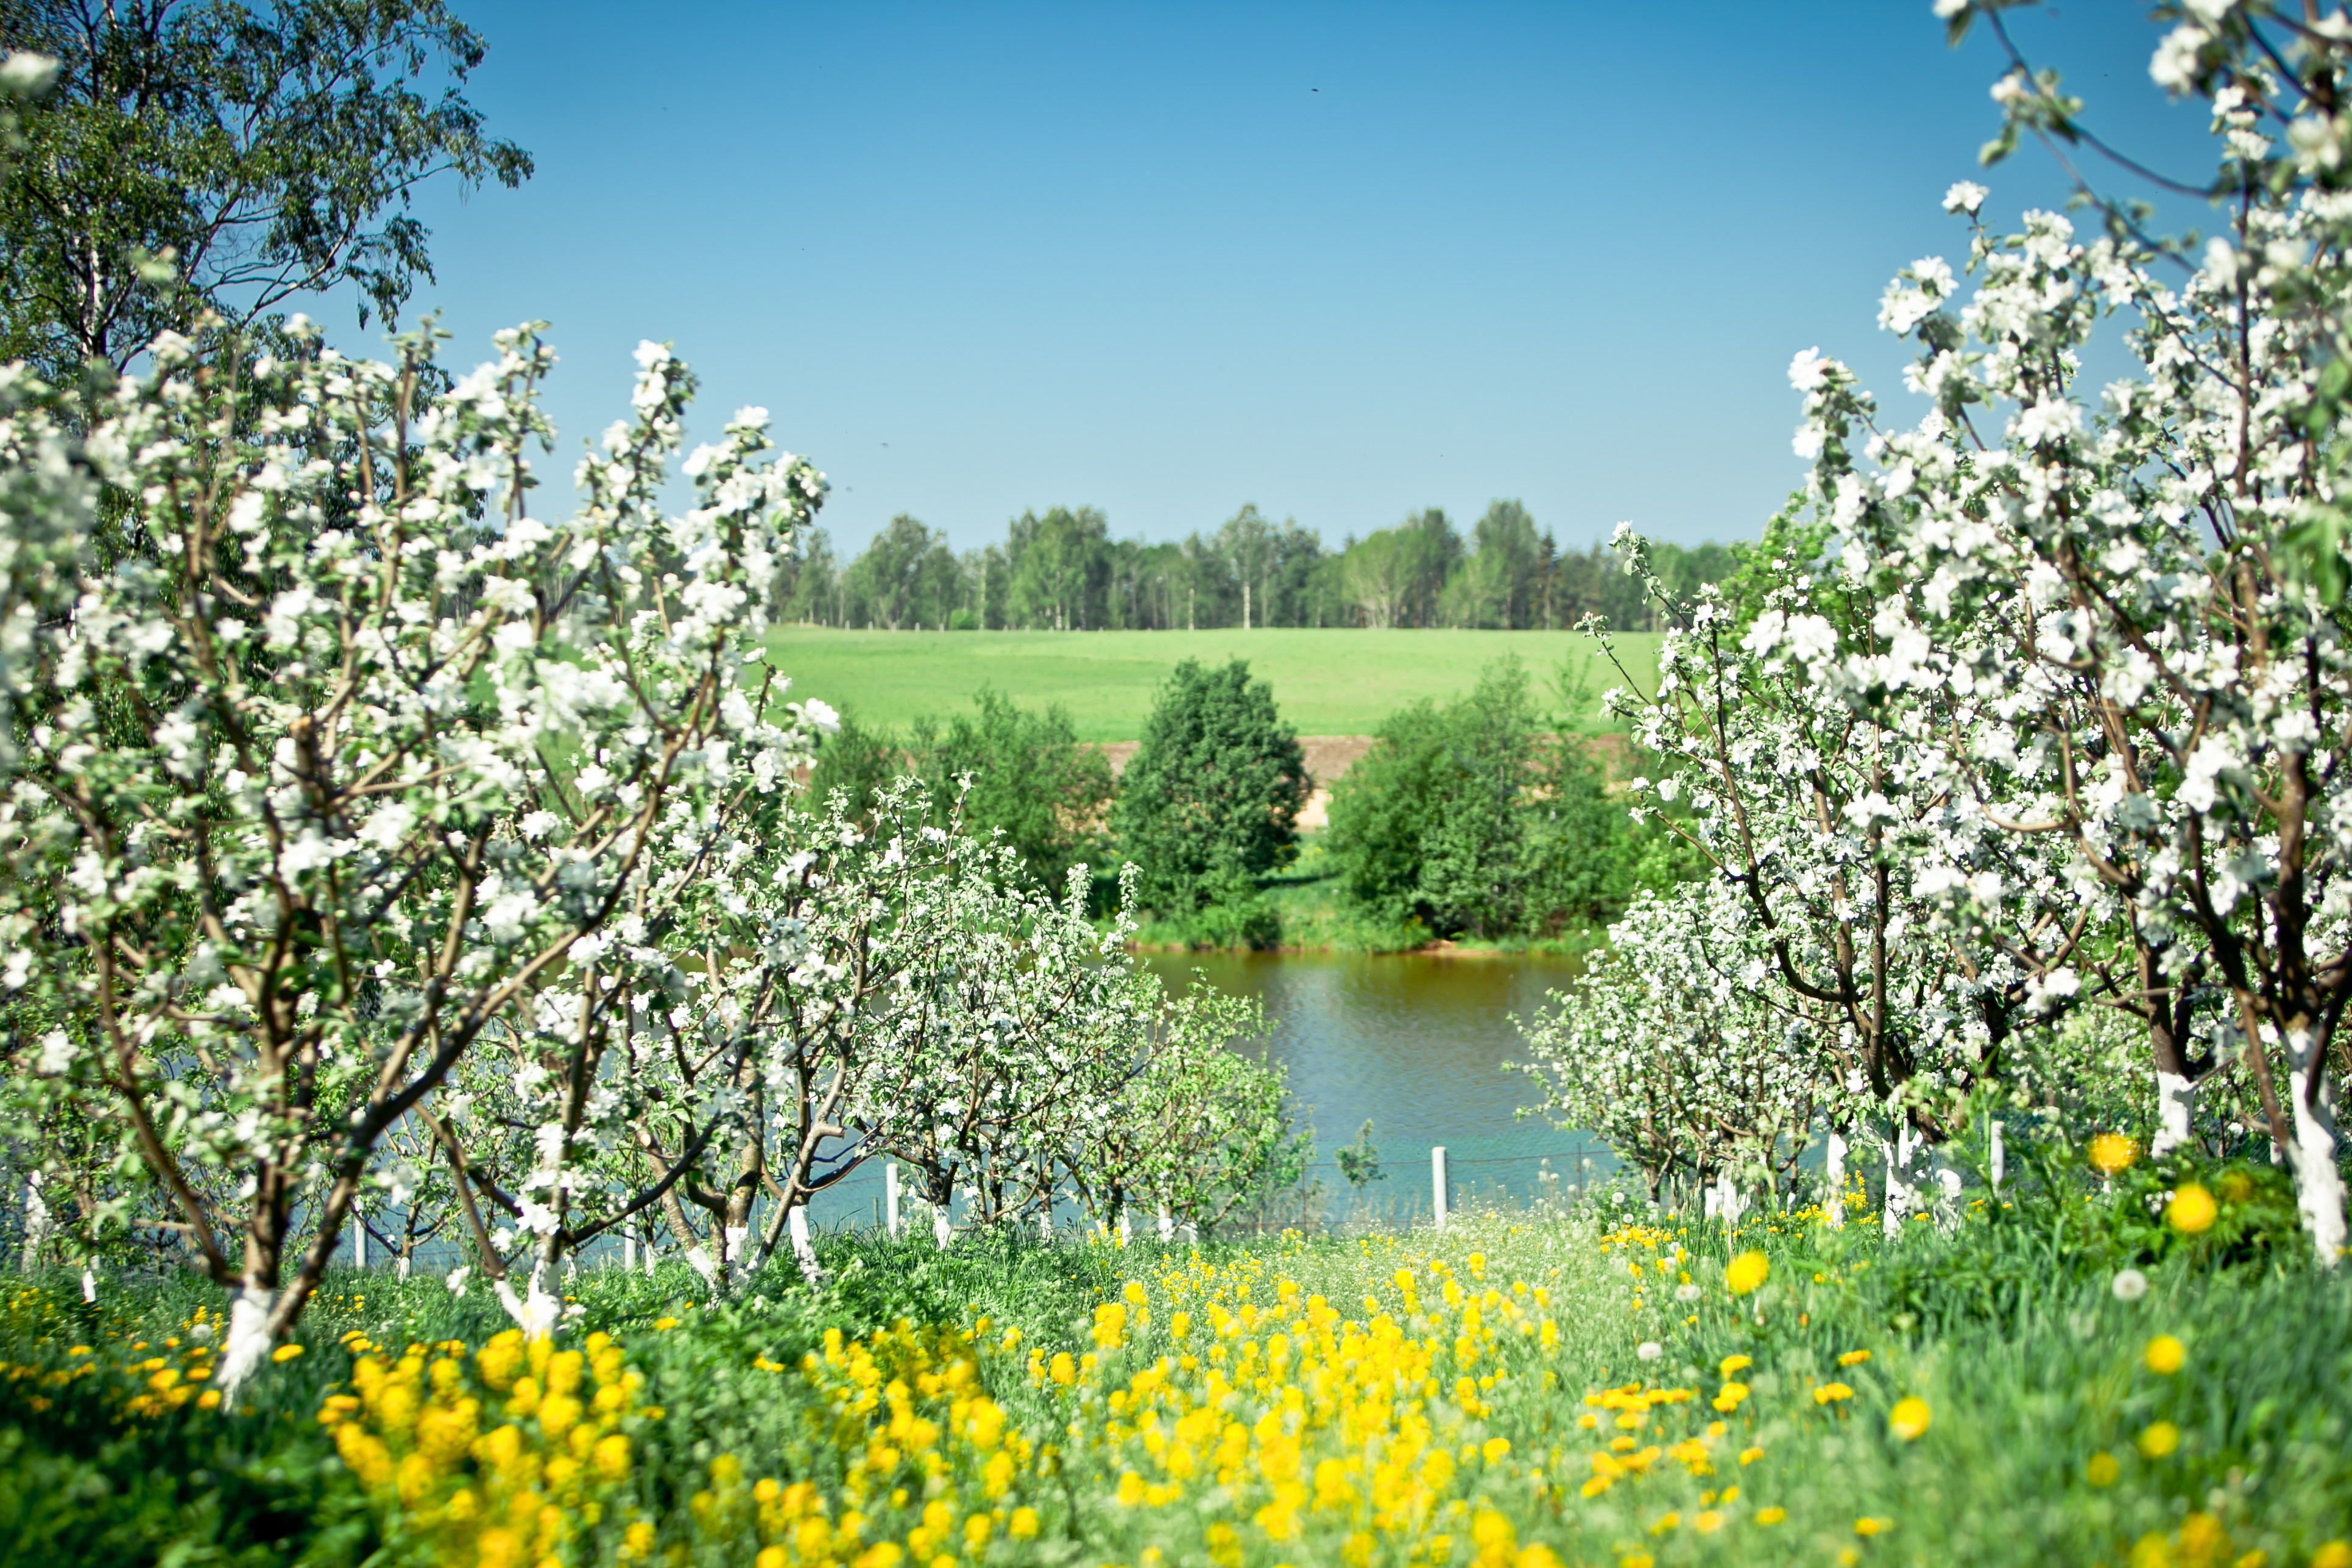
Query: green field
1326, 682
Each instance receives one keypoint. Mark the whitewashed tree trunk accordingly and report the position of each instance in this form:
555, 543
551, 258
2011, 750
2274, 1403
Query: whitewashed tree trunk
2000, 1154
890, 1198
1167, 1225
2318, 1184
1126, 1224
1902, 1197
248, 1343
36, 1223
88, 1281
2176, 1112
942, 1227
1836, 1174
1948, 1184
803, 1250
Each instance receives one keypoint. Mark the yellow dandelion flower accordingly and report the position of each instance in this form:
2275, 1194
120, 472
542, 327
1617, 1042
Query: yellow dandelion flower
285, 1352
1872, 1526
1746, 1272
2112, 1153
2164, 1354
1770, 1515
1854, 1358
2160, 1439
2334, 1555
2191, 1211
664, 1325
1732, 1364
1909, 1418
1023, 1526
2102, 1470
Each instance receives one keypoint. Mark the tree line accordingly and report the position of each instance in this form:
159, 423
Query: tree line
1062, 570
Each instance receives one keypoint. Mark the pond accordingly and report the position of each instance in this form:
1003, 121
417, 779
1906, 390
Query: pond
1414, 1042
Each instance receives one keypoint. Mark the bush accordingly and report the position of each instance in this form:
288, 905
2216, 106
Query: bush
1473, 820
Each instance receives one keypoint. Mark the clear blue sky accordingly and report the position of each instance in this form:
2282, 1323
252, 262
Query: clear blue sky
1339, 260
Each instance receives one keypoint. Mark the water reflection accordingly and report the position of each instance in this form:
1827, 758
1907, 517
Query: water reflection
1416, 1042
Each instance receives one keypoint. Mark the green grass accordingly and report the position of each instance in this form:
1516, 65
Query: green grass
1744, 1429
1326, 682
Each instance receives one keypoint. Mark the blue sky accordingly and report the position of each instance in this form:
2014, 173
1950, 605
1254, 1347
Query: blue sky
1339, 260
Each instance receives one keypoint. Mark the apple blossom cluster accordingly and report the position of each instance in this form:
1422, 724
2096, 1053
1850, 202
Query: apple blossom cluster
2060, 715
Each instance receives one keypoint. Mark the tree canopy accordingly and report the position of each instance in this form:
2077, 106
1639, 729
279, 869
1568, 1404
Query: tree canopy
217, 156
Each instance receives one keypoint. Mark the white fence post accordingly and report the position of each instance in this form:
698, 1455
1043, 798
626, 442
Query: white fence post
1999, 1164
359, 1233
629, 1247
1437, 1183
890, 1198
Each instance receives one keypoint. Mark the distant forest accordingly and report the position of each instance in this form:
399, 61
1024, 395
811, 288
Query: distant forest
1061, 571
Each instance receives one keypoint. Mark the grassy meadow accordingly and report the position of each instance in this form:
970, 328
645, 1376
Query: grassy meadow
1326, 682
2056, 1382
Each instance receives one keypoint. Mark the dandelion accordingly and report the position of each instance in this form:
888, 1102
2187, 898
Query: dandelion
1732, 1364
664, 1325
1746, 1272
2102, 1470
1854, 1358
2160, 1439
2164, 1354
1649, 1350
2334, 1555
284, 1354
2130, 1285
1872, 1526
2191, 1211
1687, 1293
2112, 1153
1909, 1418
1770, 1515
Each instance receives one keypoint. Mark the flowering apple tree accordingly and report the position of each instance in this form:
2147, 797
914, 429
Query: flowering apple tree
333, 755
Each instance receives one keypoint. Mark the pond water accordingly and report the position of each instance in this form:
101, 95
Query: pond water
1415, 1042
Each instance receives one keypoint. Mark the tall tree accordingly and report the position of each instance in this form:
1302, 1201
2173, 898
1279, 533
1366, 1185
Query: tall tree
1060, 567
257, 153
1211, 799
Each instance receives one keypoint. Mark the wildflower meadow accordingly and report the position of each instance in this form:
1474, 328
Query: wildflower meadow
394, 852
2063, 1378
